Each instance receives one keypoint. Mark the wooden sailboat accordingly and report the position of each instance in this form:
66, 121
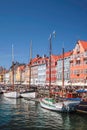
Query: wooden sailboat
50, 103
12, 93
82, 106
30, 93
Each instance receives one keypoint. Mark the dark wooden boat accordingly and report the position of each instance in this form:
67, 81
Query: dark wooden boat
82, 107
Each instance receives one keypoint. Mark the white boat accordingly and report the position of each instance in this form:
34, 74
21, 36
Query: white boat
51, 104
28, 94
12, 94
61, 106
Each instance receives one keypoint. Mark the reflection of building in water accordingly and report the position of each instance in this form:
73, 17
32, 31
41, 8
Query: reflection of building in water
11, 101
25, 104
30, 108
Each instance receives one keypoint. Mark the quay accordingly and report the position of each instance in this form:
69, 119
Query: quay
56, 92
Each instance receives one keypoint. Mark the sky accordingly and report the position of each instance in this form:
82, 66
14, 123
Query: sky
23, 21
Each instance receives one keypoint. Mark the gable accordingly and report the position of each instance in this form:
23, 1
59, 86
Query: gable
80, 47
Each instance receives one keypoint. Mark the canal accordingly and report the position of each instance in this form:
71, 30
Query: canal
20, 114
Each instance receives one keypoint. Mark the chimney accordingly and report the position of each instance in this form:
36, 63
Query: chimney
37, 55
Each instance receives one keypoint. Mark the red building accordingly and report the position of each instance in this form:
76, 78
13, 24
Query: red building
54, 59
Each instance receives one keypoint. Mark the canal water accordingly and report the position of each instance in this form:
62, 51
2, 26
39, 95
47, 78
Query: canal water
19, 114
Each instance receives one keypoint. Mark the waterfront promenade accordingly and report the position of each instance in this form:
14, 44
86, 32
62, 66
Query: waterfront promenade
41, 90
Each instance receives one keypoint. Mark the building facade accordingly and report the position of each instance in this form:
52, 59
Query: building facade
78, 64
42, 71
53, 70
66, 74
75, 69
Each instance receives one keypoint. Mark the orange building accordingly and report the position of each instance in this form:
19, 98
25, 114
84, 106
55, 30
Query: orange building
78, 64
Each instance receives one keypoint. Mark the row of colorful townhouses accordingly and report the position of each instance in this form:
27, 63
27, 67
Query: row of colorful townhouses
37, 71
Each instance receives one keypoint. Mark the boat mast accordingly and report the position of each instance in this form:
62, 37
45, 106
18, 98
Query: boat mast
63, 68
12, 67
30, 64
50, 52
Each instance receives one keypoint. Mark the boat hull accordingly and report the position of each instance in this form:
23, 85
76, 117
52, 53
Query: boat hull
12, 94
66, 106
51, 107
28, 94
82, 107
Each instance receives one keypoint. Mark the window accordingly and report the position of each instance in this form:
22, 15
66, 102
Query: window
85, 53
85, 71
43, 61
74, 71
85, 62
78, 62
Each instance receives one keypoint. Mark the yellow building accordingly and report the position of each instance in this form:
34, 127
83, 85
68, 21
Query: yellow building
18, 74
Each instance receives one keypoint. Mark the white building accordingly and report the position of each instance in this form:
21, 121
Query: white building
42, 74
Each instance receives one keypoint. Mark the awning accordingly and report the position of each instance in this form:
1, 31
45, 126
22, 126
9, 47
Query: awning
81, 90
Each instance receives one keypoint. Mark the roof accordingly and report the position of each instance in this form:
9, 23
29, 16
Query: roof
21, 67
55, 57
66, 54
36, 59
83, 43
81, 90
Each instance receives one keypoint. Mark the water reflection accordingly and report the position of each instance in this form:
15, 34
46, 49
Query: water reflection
54, 120
44, 118
21, 114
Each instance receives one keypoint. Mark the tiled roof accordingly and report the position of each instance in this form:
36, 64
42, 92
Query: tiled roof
21, 67
56, 57
83, 43
34, 60
66, 54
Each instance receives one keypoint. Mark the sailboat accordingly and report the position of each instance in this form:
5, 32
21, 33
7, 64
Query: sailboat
50, 103
30, 93
12, 93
